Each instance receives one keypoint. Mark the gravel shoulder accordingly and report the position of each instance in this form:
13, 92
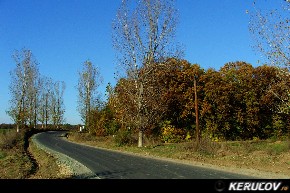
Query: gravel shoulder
68, 166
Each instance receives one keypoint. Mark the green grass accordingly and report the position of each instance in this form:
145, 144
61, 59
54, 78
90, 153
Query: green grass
2, 155
271, 148
3, 131
208, 147
278, 148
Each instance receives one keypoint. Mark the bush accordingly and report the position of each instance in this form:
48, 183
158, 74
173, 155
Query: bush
81, 136
171, 134
124, 137
112, 127
9, 139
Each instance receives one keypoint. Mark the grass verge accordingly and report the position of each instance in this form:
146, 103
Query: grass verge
20, 158
48, 166
257, 157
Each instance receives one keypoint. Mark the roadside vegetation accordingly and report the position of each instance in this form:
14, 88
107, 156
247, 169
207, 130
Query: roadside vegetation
21, 159
14, 161
163, 105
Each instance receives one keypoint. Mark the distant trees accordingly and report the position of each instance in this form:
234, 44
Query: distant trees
142, 38
88, 83
30, 93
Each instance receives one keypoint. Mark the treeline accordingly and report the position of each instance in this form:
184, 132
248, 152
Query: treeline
34, 98
66, 126
7, 126
237, 102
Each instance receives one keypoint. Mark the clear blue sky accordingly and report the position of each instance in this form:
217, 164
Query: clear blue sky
62, 34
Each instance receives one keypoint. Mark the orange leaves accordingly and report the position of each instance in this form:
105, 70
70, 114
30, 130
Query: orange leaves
236, 102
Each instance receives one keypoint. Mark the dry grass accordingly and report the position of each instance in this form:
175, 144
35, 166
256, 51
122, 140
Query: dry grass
14, 163
9, 139
17, 162
48, 167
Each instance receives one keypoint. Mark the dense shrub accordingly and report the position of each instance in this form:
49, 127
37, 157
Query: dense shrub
171, 134
124, 137
9, 139
112, 127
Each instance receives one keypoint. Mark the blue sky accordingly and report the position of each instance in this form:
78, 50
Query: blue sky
62, 34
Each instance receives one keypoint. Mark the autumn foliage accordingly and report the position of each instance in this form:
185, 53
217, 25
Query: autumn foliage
237, 102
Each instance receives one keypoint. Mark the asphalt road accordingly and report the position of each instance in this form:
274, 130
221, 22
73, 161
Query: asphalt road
111, 165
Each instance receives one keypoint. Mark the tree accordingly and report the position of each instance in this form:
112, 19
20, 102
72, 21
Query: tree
33, 97
45, 101
270, 30
192, 86
88, 83
143, 37
24, 89
271, 35
268, 85
57, 104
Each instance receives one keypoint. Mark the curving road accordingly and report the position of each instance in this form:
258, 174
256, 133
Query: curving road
107, 164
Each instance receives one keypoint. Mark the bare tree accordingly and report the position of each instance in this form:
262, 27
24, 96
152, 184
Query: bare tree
57, 104
23, 89
88, 83
33, 97
45, 101
270, 31
143, 37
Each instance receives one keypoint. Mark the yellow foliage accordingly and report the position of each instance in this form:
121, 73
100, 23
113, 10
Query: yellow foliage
170, 134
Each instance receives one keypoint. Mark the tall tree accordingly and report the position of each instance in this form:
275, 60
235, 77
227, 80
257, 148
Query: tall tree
270, 30
88, 83
142, 37
24, 89
33, 97
57, 104
271, 34
45, 101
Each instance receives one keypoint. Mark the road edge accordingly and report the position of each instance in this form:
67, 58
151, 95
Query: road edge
78, 170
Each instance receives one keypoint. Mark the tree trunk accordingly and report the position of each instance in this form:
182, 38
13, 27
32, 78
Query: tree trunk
35, 114
17, 128
140, 139
289, 139
196, 115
